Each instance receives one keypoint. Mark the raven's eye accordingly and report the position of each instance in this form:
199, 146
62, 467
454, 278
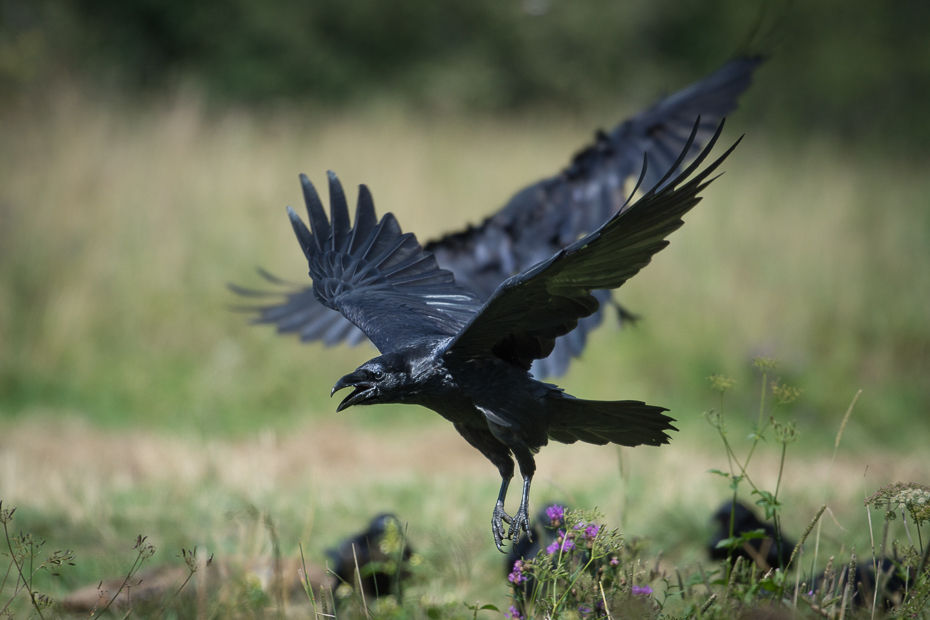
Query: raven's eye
379, 375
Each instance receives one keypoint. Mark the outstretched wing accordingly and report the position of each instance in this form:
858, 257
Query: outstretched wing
300, 312
544, 217
376, 276
524, 316
662, 131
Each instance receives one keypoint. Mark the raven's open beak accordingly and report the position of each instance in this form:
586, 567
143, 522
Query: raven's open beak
361, 392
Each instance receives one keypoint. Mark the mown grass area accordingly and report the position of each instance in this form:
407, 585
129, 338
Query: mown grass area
133, 401
93, 491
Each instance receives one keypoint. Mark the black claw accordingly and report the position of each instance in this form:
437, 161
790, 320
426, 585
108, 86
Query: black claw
498, 518
521, 521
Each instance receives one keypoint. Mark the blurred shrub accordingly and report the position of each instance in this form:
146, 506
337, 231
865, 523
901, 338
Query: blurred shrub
854, 68
468, 53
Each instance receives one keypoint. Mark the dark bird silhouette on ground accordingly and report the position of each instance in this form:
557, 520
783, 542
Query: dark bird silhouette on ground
380, 553
831, 584
546, 216
769, 551
468, 360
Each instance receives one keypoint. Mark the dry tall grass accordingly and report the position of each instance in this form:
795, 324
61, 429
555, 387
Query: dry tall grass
121, 225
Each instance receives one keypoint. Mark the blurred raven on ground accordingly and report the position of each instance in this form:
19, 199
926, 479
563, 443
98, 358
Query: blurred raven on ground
380, 555
468, 360
773, 550
769, 550
546, 216
895, 579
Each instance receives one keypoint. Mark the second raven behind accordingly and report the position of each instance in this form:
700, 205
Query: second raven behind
468, 360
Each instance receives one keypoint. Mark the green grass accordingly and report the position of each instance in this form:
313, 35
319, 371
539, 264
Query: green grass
133, 401
93, 491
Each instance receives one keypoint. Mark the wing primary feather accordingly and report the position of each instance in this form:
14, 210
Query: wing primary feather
315, 329
315, 211
662, 155
385, 242
383, 237
294, 320
275, 279
304, 236
642, 175
247, 292
700, 179
685, 151
365, 219
703, 155
365, 247
398, 252
338, 213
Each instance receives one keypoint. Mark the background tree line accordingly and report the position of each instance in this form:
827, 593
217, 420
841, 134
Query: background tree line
857, 69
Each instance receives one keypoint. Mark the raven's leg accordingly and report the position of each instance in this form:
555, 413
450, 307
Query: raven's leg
499, 454
521, 519
517, 445
499, 516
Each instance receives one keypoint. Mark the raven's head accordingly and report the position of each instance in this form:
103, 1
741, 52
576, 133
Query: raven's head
375, 381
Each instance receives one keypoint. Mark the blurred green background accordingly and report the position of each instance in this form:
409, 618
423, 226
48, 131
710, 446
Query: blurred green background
147, 150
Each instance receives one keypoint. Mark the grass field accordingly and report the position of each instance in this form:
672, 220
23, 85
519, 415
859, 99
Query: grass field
133, 401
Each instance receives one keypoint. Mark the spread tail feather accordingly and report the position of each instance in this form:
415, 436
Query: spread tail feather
623, 422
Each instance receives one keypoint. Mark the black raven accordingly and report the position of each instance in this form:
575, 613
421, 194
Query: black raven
774, 551
380, 555
468, 360
770, 551
548, 215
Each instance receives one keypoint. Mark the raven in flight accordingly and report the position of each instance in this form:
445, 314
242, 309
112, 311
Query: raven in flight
548, 215
445, 349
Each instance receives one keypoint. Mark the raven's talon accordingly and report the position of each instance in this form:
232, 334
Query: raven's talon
521, 521
498, 519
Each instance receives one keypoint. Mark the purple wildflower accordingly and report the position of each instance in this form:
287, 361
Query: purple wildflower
642, 590
517, 577
563, 543
590, 532
555, 513
585, 610
614, 561
514, 614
